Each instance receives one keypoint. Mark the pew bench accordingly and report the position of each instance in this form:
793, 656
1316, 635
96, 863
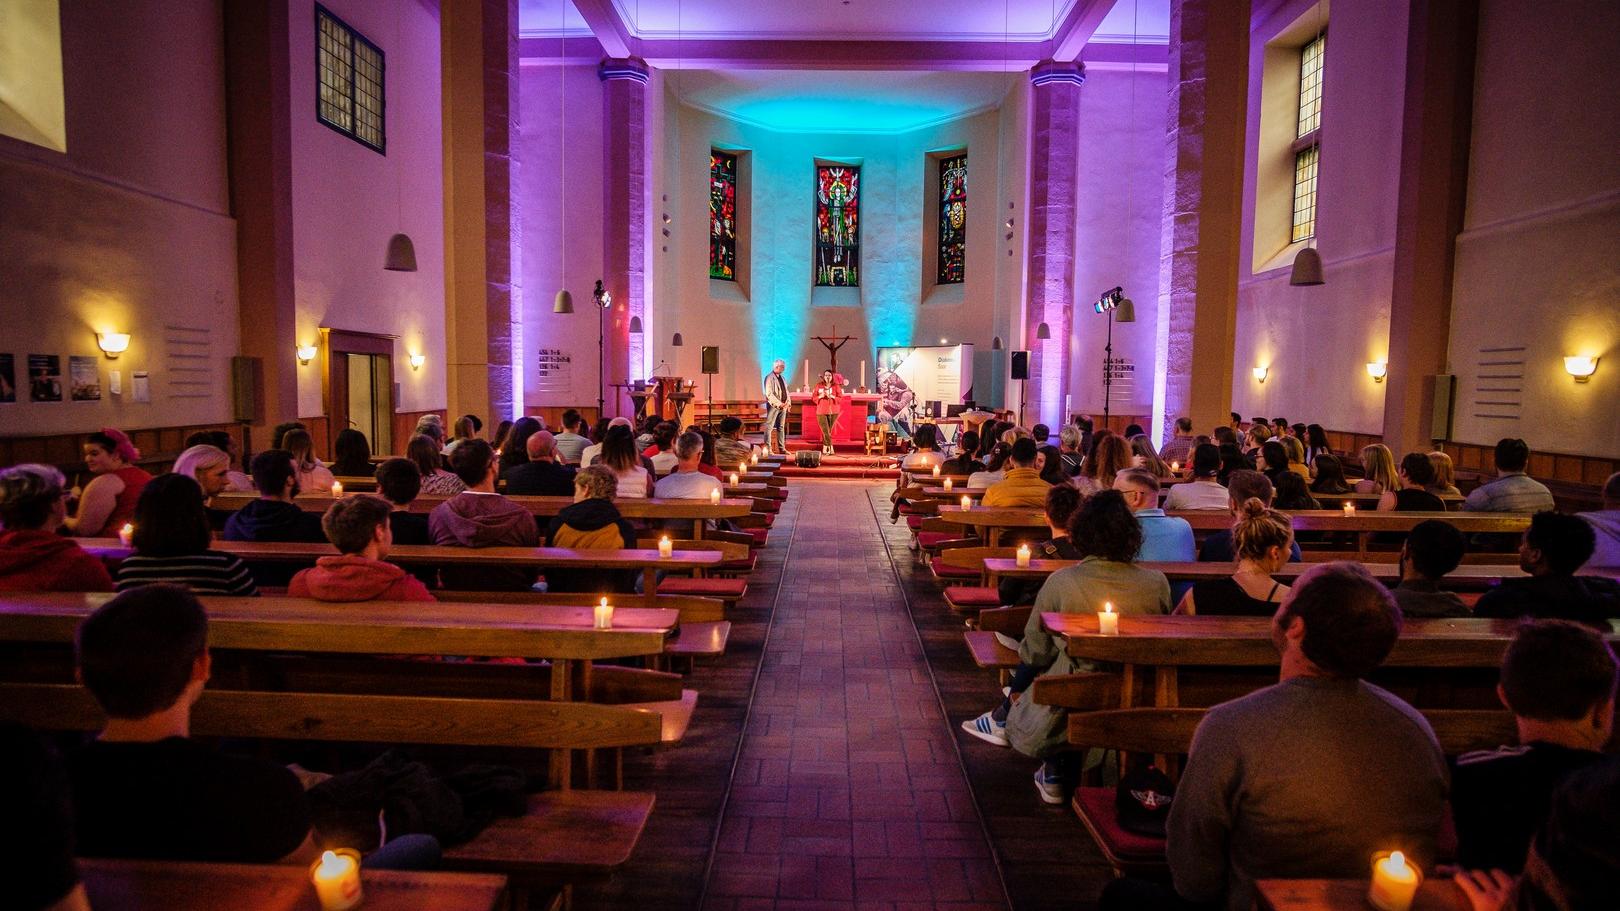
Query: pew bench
123, 885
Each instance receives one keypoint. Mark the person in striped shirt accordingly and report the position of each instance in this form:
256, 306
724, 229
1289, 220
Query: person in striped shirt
171, 541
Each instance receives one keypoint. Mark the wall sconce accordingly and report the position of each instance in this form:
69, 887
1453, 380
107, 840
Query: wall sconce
1377, 370
1581, 368
112, 344
306, 353
1260, 373
417, 360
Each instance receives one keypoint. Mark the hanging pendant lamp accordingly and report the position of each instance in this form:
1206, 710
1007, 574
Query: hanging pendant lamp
995, 343
635, 325
1043, 331
401, 254
677, 341
1307, 268
564, 302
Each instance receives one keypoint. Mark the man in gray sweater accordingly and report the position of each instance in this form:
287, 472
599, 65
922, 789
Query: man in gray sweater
1310, 777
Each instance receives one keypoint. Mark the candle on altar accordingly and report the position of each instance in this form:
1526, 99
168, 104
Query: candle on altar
665, 547
337, 880
126, 535
1023, 555
947, 485
967, 502
603, 611
734, 479
863, 376
806, 374
1394, 882
1349, 509
714, 495
337, 490
1107, 620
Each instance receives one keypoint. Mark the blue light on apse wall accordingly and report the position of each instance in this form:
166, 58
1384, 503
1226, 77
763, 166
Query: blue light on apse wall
866, 115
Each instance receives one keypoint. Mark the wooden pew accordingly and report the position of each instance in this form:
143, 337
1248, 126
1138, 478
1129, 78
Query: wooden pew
1434, 894
126, 885
703, 631
1469, 577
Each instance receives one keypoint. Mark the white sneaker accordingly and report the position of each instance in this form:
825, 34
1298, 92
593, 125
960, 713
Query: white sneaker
1049, 788
987, 728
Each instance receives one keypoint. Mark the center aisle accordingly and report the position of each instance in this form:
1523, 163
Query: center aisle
848, 787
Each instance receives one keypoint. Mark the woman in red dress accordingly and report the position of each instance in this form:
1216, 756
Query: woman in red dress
108, 501
826, 396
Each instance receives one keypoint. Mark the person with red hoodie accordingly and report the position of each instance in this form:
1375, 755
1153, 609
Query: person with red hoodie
33, 557
359, 528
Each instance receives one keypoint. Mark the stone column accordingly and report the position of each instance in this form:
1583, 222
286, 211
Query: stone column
1203, 212
624, 217
1435, 129
1054, 174
483, 299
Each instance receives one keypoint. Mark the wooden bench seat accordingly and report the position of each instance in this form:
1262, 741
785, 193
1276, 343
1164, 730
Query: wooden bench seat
120, 884
700, 640
987, 651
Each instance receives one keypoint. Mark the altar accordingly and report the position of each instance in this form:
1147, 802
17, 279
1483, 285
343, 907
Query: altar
851, 426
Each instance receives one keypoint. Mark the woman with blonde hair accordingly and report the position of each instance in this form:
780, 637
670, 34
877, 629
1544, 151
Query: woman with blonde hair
208, 466
1110, 456
1378, 470
1445, 475
1262, 540
1296, 456
1143, 456
312, 475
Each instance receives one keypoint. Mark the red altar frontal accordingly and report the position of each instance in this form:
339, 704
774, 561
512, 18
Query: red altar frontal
851, 426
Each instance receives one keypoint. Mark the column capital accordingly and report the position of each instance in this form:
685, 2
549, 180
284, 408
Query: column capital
1054, 72
632, 68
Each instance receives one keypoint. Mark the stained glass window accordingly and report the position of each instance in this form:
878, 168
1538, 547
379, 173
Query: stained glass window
838, 225
349, 81
722, 215
1307, 146
952, 220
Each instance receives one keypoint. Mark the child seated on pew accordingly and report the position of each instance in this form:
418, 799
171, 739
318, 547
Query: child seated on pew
33, 557
359, 528
1558, 679
145, 789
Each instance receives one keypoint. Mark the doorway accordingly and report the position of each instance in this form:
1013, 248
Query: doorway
359, 387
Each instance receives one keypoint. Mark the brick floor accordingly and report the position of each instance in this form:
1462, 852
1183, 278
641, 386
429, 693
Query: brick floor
848, 792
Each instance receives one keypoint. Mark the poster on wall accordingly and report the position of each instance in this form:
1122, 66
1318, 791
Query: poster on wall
556, 371
44, 377
8, 379
910, 379
141, 382
84, 379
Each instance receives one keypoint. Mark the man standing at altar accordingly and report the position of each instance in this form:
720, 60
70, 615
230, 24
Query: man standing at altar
776, 408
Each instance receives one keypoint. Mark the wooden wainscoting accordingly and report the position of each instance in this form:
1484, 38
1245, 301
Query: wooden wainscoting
320, 430
159, 446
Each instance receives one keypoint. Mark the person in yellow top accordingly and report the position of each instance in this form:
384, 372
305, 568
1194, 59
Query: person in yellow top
1023, 485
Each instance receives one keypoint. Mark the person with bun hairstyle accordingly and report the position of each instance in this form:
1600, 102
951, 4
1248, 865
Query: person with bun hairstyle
1261, 540
108, 503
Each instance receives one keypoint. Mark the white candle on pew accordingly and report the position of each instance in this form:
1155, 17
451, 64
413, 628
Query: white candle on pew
126, 535
1107, 620
967, 502
1023, 555
947, 485
604, 614
337, 490
742, 467
1349, 510
714, 495
734, 479
1394, 882
1175, 468
936, 471
337, 880
665, 547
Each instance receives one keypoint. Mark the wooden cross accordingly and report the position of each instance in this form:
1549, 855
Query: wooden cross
832, 345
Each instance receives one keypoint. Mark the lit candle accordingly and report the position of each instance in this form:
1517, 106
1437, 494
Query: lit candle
947, 485
604, 611
1175, 468
126, 535
967, 502
754, 459
337, 880
734, 479
1394, 882
665, 548
863, 374
936, 471
1023, 555
806, 374
714, 495
337, 490
742, 467
1107, 620
1349, 509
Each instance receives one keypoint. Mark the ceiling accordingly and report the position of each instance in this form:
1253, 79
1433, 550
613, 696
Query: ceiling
833, 20
859, 102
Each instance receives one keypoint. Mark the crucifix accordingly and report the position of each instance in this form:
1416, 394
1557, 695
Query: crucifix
832, 345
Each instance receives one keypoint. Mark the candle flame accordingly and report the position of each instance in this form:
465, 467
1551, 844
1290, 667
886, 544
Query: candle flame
1397, 859
328, 859
604, 602
1108, 607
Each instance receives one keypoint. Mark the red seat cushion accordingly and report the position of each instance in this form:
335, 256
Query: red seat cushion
935, 538
759, 534
1097, 806
914, 522
947, 571
745, 565
973, 596
914, 509
708, 587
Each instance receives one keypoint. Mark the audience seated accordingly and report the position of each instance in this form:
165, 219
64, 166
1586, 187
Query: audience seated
1293, 493
662, 450
353, 454
687, 481
1551, 550
1069, 443
208, 466
590, 454
1296, 456
729, 446
1432, 549
434, 478
1558, 679
1574, 858
33, 557
1240, 487
925, 453
1273, 460
172, 534
502, 431
1107, 538
1377, 469
313, 476
592, 522
1040, 433
1204, 491
1512, 490
516, 450
648, 434
1110, 455
237, 481
542, 475
274, 516
1165, 539
1145, 457
1445, 475
432, 427
1179, 448
1605, 530
1316, 443
1413, 479
1307, 778
1329, 474
463, 430
706, 462
1260, 539
108, 502
36, 843
1232, 459
995, 468
1049, 464
1022, 484
632, 470
572, 441
480, 517
1061, 502
359, 528
965, 462
399, 482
